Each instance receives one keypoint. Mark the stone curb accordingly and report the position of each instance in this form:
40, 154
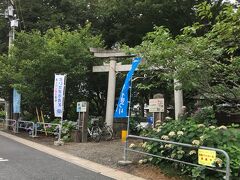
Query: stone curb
92, 166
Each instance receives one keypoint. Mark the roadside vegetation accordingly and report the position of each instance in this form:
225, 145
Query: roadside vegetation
194, 42
188, 131
205, 59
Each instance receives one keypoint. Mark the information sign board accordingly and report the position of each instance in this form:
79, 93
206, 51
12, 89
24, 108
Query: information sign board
156, 105
78, 107
206, 157
82, 106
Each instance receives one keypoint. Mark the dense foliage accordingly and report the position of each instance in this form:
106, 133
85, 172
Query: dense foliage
36, 57
200, 48
225, 138
206, 64
2, 114
118, 20
3, 28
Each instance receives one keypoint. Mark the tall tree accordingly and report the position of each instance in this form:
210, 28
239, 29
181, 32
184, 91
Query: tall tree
4, 27
124, 21
128, 21
36, 57
208, 64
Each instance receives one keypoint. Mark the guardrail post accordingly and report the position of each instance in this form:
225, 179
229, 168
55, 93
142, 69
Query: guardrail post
35, 128
227, 165
125, 156
17, 126
125, 149
59, 133
32, 134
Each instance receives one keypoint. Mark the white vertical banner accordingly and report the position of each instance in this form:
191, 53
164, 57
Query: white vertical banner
59, 93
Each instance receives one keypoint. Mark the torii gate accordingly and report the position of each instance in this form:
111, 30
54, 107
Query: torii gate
112, 68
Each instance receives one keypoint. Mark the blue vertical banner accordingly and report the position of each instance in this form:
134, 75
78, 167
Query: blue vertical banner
122, 107
16, 101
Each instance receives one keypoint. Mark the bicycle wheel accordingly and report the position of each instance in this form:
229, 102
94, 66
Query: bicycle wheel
108, 133
95, 134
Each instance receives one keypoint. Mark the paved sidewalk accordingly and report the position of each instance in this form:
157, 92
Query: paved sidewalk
92, 166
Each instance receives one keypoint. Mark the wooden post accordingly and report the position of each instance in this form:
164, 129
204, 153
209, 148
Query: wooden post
84, 117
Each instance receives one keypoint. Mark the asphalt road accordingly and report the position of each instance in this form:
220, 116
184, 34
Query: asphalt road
20, 162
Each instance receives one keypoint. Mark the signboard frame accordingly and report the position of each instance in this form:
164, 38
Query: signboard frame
81, 106
206, 157
156, 105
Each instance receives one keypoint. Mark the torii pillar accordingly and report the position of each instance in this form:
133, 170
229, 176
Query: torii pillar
112, 68
112, 56
178, 99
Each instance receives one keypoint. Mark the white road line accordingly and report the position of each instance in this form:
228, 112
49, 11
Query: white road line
2, 160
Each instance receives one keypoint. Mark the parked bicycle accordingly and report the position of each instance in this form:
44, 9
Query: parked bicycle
98, 131
106, 132
94, 131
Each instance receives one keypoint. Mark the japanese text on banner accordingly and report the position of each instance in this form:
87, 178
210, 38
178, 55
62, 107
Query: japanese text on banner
59, 95
122, 106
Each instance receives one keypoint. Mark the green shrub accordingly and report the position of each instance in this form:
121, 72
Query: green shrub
2, 114
68, 126
190, 132
205, 115
134, 125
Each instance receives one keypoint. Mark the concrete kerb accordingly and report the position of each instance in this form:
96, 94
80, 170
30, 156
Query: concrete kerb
92, 166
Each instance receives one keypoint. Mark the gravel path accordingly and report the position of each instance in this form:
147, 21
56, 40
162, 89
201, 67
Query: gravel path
105, 152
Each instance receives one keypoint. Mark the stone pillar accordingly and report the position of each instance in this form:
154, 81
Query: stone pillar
178, 99
111, 92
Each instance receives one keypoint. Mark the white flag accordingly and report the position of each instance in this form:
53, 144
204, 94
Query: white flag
59, 88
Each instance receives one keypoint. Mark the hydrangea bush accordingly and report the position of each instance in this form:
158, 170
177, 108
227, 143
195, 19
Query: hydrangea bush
67, 127
222, 137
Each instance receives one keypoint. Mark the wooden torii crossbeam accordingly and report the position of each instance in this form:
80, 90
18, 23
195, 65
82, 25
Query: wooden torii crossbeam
112, 68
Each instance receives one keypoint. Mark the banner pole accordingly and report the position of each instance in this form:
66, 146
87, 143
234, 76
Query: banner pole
128, 120
129, 107
64, 90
